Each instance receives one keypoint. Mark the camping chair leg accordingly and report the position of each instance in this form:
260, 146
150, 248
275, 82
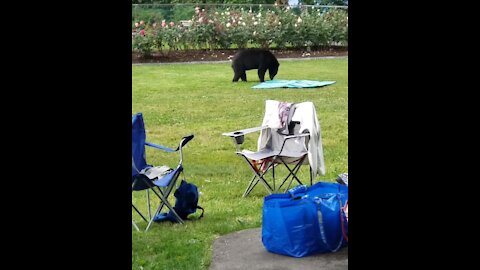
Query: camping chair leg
273, 173
250, 186
254, 183
247, 192
163, 194
294, 177
289, 184
166, 193
135, 225
151, 220
264, 182
148, 203
271, 165
135, 208
286, 178
165, 201
292, 172
156, 213
159, 209
169, 189
311, 178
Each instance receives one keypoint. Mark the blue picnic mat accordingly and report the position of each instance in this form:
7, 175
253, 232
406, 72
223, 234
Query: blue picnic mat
292, 84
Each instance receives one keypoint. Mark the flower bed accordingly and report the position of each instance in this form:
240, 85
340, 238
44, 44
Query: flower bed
279, 28
226, 55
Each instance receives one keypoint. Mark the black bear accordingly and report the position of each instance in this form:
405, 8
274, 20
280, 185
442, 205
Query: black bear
254, 59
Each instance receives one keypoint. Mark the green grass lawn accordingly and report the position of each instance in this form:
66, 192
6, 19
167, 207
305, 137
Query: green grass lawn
180, 99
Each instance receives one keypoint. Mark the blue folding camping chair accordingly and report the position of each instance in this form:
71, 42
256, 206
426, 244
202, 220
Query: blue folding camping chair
161, 180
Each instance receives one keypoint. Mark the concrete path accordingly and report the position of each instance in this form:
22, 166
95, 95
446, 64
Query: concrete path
244, 250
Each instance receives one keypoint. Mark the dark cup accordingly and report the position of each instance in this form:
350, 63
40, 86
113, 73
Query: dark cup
239, 139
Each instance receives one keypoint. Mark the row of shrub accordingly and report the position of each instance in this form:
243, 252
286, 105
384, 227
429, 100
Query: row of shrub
151, 13
284, 2
280, 27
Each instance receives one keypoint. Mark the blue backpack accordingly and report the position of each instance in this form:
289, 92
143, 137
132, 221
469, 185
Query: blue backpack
186, 203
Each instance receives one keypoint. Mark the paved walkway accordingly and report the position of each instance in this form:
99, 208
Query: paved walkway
244, 250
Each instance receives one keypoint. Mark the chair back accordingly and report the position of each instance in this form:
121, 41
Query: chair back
138, 144
285, 119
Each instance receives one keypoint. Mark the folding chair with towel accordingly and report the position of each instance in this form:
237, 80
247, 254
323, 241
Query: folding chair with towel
289, 135
161, 180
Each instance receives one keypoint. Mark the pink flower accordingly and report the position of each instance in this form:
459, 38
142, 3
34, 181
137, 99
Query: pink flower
142, 32
163, 23
172, 24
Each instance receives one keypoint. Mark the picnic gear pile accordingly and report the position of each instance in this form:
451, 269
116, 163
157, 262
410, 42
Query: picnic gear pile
297, 220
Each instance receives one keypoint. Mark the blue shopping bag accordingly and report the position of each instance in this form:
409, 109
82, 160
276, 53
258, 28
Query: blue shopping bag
305, 221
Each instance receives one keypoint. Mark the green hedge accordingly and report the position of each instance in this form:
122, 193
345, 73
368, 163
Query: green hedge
187, 27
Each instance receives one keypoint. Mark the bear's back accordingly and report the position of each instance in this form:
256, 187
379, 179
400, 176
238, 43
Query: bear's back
251, 58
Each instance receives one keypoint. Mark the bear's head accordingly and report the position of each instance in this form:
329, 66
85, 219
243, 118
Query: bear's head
273, 70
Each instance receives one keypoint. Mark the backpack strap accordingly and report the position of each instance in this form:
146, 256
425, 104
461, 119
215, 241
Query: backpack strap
203, 210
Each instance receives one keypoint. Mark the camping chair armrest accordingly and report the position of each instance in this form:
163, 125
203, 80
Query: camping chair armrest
242, 132
238, 136
160, 147
296, 136
292, 137
183, 142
